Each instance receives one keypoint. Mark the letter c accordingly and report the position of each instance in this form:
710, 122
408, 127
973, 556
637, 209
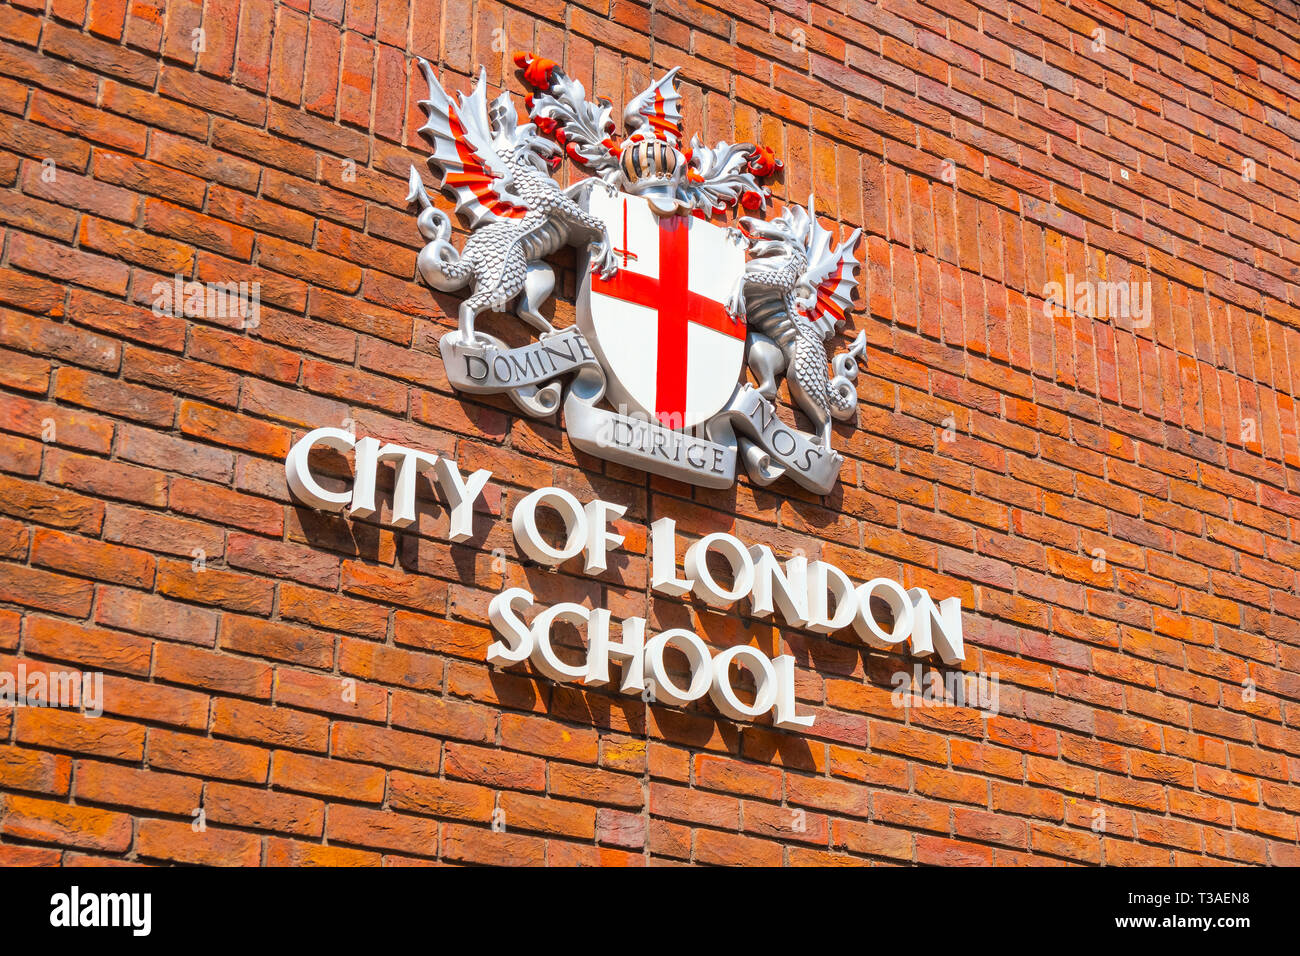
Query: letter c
297, 469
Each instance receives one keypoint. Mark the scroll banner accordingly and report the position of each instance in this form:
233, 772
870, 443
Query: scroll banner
488, 366
531, 375
770, 448
642, 443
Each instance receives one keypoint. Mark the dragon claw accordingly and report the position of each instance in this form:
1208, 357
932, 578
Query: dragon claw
603, 260
736, 308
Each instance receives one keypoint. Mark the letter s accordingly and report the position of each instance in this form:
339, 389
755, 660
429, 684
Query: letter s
518, 636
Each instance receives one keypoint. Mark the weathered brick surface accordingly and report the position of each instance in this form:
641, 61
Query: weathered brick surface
317, 686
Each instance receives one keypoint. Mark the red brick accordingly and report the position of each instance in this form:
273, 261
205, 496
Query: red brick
330, 694
276, 726
92, 647
116, 785
499, 847
281, 642
32, 770
329, 778
89, 558
45, 591
200, 667
202, 756
493, 767
731, 849
252, 808
382, 829
191, 581
179, 843
521, 811
282, 852
45, 821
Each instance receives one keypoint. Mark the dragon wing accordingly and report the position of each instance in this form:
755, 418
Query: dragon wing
464, 150
831, 274
658, 106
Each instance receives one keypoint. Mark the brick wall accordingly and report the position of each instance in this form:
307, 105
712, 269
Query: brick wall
1115, 504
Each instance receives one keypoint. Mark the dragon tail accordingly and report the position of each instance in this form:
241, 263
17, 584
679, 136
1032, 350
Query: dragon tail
840, 391
438, 263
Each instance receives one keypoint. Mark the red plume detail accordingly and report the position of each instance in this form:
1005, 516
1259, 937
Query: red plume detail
763, 161
537, 70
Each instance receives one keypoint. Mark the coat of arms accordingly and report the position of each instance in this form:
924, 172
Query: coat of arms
672, 307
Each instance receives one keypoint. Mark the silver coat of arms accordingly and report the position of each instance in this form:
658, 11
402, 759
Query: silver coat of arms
672, 307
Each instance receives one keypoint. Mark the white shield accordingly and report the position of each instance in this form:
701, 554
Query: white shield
659, 325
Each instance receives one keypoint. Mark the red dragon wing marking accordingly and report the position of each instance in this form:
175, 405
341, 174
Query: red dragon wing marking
832, 273
658, 106
464, 151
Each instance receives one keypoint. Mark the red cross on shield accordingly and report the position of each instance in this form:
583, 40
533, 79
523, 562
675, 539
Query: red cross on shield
659, 325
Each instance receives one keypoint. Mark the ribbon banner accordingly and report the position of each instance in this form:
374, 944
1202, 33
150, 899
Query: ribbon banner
532, 376
641, 442
488, 366
771, 448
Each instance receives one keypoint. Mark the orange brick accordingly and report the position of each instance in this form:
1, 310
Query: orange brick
499, 847
179, 843
203, 756
22, 769
116, 785
252, 808
382, 829
45, 821
283, 852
